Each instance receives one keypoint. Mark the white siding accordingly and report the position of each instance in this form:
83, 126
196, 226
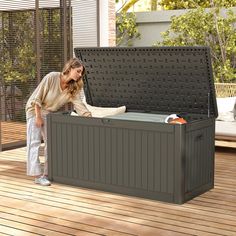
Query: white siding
104, 23
6, 5
84, 24
11, 5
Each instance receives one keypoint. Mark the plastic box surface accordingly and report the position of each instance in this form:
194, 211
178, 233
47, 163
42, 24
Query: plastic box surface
154, 160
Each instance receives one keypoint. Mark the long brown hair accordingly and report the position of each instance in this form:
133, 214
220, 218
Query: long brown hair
74, 87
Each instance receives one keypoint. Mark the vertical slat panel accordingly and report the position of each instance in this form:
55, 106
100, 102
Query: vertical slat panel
164, 154
59, 152
138, 169
69, 141
96, 154
114, 156
120, 157
157, 162
144, 160
85, 152
206, 163
91, 156
187, 164
209, 164
200, 167
102, 139
108, 155
64, 149
54, 148
80, 152
170, 164
132, 162
196, 158
192, 162
150, 152
75, 152
126, 157
199, 156
190, 142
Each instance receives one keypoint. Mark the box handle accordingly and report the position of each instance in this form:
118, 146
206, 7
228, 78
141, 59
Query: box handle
199, 137
106, 121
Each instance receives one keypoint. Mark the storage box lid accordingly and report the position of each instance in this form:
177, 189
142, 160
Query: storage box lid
150, 79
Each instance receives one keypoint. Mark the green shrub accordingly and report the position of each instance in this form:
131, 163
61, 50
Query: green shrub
207, 28
126, 29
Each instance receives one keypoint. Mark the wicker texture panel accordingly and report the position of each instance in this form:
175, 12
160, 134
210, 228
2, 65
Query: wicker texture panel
152, 79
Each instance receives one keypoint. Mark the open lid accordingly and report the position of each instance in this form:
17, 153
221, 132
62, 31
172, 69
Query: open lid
150, 79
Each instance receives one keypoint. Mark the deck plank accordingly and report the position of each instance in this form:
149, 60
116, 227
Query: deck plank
12, 131
29, 209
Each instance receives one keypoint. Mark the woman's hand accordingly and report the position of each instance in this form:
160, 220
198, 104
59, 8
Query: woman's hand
39, 121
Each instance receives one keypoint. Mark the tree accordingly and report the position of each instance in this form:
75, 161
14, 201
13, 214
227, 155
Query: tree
126, 29
154, 5
17, 52
188, 4
18, 55
176, 4
208, 28
128, 4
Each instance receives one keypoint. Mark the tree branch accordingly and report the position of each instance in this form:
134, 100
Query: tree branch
128, 5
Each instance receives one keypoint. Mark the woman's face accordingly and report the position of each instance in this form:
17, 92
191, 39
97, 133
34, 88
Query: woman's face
75, 74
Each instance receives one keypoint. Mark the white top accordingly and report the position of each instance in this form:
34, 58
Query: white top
50, 97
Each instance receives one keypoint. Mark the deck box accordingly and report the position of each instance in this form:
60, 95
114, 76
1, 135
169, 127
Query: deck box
141, 157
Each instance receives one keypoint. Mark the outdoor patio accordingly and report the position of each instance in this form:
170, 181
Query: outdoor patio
29, 209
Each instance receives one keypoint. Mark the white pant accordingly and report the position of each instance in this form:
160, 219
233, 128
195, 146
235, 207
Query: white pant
34, 137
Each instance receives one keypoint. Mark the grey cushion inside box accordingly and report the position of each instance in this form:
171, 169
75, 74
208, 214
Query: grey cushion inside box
136, 116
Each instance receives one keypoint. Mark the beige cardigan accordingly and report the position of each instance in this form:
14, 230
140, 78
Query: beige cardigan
50, 97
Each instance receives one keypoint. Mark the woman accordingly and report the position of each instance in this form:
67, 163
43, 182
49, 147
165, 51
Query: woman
55, 90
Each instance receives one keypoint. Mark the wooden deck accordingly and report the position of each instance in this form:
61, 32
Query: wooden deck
29, 209
12, 134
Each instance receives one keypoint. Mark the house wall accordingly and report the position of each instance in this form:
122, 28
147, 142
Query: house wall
112, 23
107, 17
151, 24
104, 23
93, 23
85, 23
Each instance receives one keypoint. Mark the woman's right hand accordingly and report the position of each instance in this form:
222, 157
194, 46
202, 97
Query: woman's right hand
39, 121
